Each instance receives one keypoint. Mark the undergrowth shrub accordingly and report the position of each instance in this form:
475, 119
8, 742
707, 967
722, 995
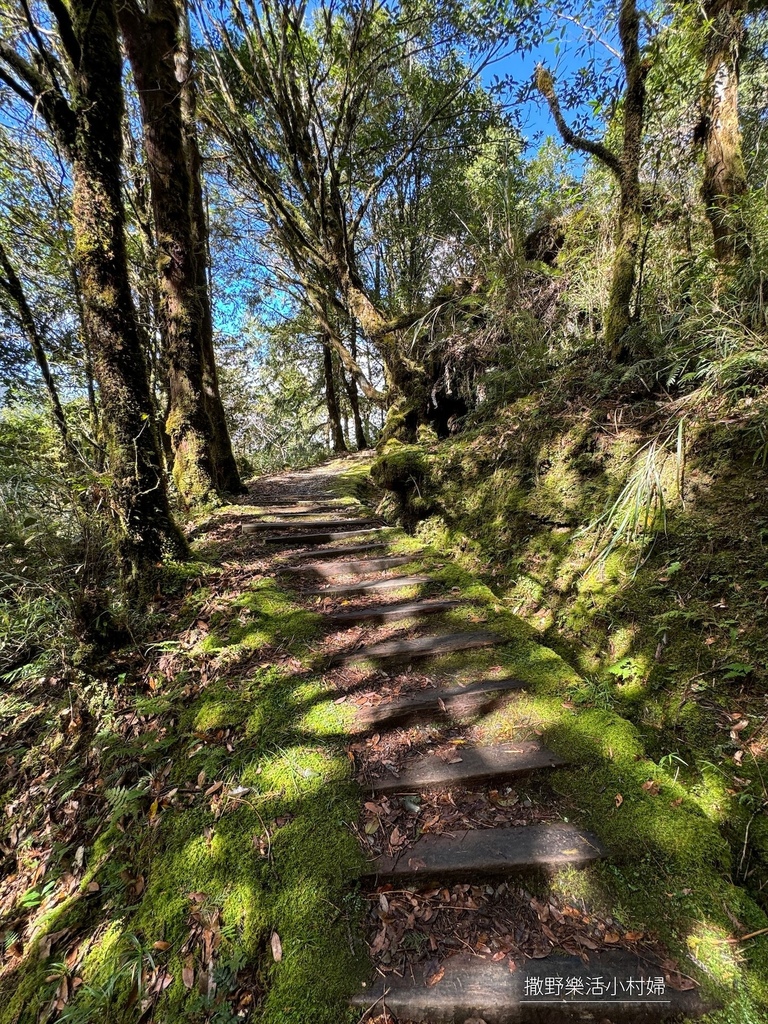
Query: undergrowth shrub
57, 586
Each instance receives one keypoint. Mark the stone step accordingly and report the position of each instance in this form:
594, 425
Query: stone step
300, 500
450, 702
310, 524
296, 540
390, 612
421, 647
338, 549
477, 765
290, 512
354, 567
363, 586
614, 986
491, 851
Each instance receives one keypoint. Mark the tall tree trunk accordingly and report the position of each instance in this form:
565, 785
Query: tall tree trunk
629, 226
11, 284
725, 181
152, 335
350, 386
152, 41
139, 498
334, 418
626, 169
226, 466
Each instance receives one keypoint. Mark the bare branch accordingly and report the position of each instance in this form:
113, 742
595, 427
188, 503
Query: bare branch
590, 32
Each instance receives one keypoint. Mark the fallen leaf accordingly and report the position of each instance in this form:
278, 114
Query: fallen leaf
435, 976
651, 787
618, 799
162, 946
188, 976
277, 947
163, 981
676, 803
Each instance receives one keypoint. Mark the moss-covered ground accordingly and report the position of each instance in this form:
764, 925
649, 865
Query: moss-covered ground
181, 819
652, 679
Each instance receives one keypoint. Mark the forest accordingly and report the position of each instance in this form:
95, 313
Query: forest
383, 493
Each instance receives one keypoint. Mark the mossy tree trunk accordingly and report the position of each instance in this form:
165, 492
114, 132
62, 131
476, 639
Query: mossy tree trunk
331, 402
147, 288
408, 386
350, 387
139, 495
228, 474
85, 116
625, 168
725, 181
629, 225
152, 42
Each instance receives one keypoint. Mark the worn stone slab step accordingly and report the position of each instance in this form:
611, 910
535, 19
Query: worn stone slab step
339, 549
298, 539
363, 586
421, 647
390, 612
557, 989
477, 765
354, 567
492, 851
310, 524
450, 702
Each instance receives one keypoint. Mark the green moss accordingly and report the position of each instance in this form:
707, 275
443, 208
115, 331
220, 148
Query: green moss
615, 698
265, 617
254, 839
399, 466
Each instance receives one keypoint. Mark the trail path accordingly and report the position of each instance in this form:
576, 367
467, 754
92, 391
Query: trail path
454, 932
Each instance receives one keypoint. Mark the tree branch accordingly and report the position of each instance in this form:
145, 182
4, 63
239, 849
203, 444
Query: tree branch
544, 83
17, 88
56, 110
12, 285
66, 30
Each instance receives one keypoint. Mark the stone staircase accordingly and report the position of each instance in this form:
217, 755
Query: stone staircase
336, 558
